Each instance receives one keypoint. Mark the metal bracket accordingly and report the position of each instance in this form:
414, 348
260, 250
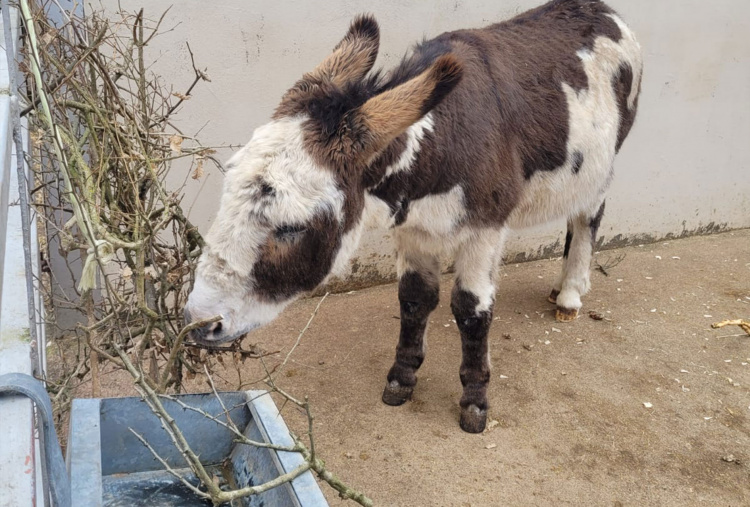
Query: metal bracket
26, 385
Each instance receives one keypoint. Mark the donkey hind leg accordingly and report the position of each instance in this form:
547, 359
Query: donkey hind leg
472, 302
577, 263
418, 294
557, 287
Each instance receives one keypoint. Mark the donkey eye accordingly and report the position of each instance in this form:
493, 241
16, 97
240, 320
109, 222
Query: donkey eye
289, 232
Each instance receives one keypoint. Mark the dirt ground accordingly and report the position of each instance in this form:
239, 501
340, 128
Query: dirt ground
649, 406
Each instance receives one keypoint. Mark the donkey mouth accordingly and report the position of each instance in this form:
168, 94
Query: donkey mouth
215, 342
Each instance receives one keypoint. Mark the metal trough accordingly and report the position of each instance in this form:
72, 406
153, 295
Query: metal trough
110, 467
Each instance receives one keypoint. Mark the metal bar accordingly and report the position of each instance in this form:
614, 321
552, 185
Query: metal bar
23, 192
84, 452
18, 383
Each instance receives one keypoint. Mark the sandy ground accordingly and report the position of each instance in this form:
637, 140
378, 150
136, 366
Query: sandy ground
570, 400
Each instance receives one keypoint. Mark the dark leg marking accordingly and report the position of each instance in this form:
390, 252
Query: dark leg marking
402, 212
568, 239
577, 161
553, 296
475, 368
418, 295
595, 222
623, 85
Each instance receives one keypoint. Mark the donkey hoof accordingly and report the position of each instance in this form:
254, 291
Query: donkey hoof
566, 314
553, 296
395, 394
473, 419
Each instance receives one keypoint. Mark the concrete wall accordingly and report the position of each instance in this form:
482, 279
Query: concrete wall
685, 168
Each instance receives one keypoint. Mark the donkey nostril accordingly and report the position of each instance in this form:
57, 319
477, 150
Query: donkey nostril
216, 329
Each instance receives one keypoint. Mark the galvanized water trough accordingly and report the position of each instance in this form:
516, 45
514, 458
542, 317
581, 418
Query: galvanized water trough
110, 467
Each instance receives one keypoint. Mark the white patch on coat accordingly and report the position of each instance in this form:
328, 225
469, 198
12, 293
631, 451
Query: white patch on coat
477, 262
377, 213
240, 312
432, 226
437, 214
593, 129
276, 155
349, 244
414, 136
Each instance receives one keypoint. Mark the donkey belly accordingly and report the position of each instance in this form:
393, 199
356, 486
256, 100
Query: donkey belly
564, 193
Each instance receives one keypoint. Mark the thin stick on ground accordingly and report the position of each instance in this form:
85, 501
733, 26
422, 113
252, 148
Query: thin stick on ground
609, 264
302, 333
743, 324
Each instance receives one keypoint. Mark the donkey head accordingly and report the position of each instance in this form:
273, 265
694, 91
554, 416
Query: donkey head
291, 209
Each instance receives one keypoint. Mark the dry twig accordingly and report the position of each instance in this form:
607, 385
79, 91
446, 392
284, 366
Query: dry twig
743, 324
609, 264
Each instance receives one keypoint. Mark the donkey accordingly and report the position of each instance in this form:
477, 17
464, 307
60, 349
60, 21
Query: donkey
474, 133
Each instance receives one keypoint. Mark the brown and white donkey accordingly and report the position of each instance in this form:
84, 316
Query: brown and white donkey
475, 133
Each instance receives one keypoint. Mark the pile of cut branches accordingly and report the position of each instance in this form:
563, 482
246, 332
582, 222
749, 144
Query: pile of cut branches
103, 143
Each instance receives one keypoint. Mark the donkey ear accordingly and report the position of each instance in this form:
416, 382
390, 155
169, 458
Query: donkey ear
389, 114
353, 57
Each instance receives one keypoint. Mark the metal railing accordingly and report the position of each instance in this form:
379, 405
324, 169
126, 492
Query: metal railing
21, 478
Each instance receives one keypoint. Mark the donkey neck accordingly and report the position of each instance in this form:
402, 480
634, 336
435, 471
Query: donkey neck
395, 172
402, 153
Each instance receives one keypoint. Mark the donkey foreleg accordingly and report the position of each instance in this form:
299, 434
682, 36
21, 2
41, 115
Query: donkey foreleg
472, 302
418, 294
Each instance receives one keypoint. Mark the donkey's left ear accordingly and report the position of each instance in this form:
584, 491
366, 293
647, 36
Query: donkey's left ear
389, 114
350, 61
353, 57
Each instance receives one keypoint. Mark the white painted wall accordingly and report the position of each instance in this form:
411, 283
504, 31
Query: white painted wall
685, 166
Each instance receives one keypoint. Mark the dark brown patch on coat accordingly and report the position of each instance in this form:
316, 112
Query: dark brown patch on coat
538, 52
576, 161
402, 212
287, 267
623, 85
568, 240
596, 221
506, 119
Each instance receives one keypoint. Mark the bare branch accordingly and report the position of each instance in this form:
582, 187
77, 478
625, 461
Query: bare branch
304, 330
169, 469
